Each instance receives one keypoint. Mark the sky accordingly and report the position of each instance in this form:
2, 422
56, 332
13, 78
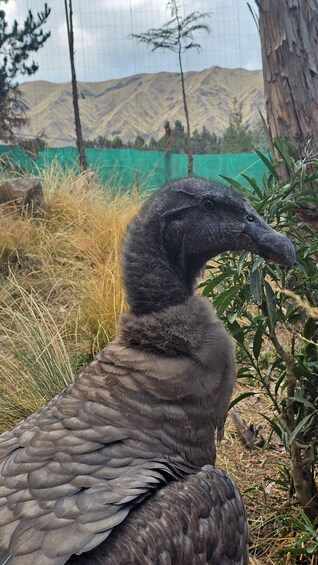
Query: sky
104, 51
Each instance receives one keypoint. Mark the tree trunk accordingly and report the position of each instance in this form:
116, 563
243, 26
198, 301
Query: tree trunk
78, 127
186, 112
289, 39
167, 150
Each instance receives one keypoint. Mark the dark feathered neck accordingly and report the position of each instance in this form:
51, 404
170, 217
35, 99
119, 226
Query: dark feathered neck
155, 278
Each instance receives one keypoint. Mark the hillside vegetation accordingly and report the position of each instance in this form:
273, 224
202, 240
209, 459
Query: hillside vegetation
140, 104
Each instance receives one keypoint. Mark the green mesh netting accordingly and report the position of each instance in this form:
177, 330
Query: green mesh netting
128, 167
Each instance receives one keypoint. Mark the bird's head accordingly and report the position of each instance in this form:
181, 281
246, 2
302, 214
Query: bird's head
185, 224
199, 219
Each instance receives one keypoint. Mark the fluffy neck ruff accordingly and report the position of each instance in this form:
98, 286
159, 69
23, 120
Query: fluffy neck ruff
178, 330
189, 360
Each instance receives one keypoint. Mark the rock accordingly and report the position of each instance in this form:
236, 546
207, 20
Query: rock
22, 192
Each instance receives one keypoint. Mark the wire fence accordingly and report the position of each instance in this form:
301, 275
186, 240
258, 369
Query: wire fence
129, 168
105, 51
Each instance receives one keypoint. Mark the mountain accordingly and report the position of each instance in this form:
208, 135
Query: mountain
141, 104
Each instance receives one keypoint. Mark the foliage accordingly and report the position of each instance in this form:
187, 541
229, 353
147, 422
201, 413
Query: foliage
260, 137
117, 143
139, 143
237, 137
177, 35
306, 542
249, 297
205, 142
16, 45
100, 142
202, 142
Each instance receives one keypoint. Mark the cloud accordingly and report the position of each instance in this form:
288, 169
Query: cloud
103, 50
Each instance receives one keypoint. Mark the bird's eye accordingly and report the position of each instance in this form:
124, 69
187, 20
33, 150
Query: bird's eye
250, 218
209, 205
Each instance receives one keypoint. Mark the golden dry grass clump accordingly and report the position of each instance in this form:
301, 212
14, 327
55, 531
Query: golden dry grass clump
60, 289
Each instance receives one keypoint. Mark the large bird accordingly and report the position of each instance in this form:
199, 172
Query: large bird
118, 468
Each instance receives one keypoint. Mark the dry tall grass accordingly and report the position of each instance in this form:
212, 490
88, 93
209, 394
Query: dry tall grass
60, 289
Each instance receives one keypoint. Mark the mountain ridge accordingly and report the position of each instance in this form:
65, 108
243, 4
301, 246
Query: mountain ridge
140, 104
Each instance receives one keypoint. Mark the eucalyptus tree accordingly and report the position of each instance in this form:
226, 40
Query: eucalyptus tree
289, 40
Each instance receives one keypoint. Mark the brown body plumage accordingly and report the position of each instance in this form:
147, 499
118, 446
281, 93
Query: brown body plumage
117, 469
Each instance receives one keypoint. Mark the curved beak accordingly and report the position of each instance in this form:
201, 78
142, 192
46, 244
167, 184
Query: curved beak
278, 248
270, 244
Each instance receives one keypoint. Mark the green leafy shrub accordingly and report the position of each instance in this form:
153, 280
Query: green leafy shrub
275, 330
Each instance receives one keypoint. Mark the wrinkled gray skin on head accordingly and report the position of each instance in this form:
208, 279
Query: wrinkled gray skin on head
179, 229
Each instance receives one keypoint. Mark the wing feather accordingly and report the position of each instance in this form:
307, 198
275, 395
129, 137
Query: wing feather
198, 520
68, 476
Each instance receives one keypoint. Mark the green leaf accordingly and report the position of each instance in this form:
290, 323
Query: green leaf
257, 263
271, 306
303, 401
258, 191
294, 550
309, 328
268, 164
257, 343
282, 148
274, 424
298, 428
236, 331
291, 310
256, 286
240, 397
225, 298
241, 260
244, 373
210, 286
279, 382
234, 183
